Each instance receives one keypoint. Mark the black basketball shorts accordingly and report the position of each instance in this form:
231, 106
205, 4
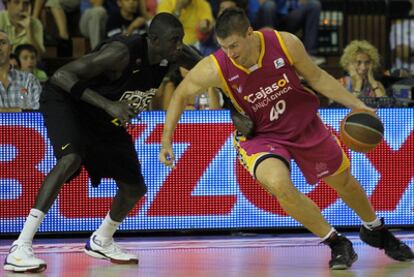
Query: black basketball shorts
105, 153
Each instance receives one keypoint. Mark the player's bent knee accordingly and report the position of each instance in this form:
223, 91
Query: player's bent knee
341, 181
281, 188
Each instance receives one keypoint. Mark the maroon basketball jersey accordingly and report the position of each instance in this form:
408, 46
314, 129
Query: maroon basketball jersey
270, 93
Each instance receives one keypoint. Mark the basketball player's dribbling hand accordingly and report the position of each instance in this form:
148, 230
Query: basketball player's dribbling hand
364, 107
166, 156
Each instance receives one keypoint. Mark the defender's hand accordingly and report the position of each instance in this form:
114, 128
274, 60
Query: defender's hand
166, 156
122, 112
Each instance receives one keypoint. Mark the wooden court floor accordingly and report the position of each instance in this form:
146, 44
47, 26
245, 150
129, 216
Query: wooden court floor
211, 256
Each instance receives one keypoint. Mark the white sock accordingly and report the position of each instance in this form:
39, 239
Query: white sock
107, 228
373, 224
329, 234
31, 225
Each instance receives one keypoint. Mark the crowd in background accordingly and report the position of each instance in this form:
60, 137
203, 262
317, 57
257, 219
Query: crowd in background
24, 40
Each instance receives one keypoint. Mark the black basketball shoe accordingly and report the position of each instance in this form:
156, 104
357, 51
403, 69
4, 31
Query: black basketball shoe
342, 252
380, 237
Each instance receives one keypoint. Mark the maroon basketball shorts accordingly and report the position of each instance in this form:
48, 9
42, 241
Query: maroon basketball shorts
315, 150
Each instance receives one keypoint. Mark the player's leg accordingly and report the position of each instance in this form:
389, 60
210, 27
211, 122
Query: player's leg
274, 175
21, 257
101, 244
65, 143
125, 168
349, 189
373, 230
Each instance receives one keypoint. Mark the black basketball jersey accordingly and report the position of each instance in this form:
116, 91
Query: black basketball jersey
137, 84
138, 81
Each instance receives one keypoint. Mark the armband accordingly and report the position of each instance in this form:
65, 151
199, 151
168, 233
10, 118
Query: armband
78, 89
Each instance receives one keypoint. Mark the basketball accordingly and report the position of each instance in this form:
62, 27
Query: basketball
361, 131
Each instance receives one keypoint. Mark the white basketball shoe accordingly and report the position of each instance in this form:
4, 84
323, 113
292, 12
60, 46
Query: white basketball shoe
22, 259
104, 248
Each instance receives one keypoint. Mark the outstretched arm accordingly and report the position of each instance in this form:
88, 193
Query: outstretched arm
317, 78
203, 76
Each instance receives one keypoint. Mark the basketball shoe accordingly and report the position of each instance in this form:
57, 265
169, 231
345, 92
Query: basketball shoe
104, 248
342, 252
22, 259
380, 237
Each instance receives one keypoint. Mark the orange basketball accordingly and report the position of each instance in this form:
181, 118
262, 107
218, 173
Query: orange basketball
361, 131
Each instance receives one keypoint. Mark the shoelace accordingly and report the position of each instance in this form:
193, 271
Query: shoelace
113, 247
26, 248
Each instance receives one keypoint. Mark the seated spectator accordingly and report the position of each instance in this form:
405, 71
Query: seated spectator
292, 16
13, 61
59, 8
131, 18
93, 20
27, 61
360, 60
402, 43
195, 15
209, 45
210, 100
20, 26
18, 89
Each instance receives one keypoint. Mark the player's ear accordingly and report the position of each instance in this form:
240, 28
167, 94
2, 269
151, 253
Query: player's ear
153, 38
250, 31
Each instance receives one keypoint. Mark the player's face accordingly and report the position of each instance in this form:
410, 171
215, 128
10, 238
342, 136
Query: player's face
27, 60
362, 64
235, 47
171, 44
5, 49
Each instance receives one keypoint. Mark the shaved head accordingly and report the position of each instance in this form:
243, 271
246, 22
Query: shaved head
163, 22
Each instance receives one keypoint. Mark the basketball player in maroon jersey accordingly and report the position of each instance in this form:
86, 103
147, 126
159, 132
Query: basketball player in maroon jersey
260, 72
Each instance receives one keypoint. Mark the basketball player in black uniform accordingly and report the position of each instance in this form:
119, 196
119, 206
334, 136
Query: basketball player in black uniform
86, 106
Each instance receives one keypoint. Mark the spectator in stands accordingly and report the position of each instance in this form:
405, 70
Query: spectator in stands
402, 43
18, 89
225, 4
131, 18
195, 15
292, 16
59, 8
210, 100
27, 61
20, 26
209, 45
13, 61
93, 20
360, 60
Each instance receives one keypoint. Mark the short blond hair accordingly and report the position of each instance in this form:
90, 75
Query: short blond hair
356, 47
